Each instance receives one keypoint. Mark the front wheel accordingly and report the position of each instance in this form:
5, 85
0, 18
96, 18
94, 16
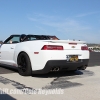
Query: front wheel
24, 65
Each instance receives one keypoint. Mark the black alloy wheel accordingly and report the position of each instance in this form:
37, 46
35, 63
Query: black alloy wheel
24, 65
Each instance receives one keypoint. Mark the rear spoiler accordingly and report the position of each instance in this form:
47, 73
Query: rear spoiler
66, 41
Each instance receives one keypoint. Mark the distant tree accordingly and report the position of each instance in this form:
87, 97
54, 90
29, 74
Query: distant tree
1, 42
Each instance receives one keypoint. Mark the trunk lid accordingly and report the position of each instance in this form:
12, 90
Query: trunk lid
67, 44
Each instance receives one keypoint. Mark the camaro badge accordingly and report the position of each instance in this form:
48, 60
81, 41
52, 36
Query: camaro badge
73, 46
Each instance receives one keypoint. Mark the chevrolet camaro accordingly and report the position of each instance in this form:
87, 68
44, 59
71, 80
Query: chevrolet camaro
39, 54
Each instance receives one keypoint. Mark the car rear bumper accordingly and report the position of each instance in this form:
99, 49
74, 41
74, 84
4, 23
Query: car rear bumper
62, 65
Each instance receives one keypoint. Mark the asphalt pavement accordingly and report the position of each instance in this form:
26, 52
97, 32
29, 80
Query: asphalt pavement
79, 85
94, 59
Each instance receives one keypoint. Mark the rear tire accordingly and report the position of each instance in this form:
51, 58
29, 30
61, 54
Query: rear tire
24, 65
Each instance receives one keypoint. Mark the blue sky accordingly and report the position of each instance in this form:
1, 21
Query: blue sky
67, 19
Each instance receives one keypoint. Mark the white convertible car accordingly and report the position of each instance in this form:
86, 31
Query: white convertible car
40, 54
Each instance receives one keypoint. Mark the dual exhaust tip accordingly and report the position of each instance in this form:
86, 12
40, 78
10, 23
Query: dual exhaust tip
55, 69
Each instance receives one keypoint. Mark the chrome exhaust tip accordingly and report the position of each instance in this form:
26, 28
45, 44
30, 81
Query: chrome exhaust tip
55, 69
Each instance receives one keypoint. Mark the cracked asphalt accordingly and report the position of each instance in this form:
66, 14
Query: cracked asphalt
79, 85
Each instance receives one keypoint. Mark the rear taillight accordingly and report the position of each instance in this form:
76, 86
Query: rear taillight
52, 47
84, 48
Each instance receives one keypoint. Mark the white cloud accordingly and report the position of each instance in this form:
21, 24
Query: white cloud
42, 29
69, 28
87, 14
33, 19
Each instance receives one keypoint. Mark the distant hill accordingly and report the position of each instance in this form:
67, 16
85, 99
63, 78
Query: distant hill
93, 44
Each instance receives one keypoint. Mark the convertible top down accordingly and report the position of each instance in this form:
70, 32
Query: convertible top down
43, 53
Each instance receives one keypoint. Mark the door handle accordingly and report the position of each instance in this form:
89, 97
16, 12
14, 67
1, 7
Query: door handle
12, 48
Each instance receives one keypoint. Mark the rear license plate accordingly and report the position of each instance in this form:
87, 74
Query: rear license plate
72, 58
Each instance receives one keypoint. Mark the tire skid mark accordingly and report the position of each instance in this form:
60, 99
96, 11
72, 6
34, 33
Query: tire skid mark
59, 82
62, 82
16, 84
62, 85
